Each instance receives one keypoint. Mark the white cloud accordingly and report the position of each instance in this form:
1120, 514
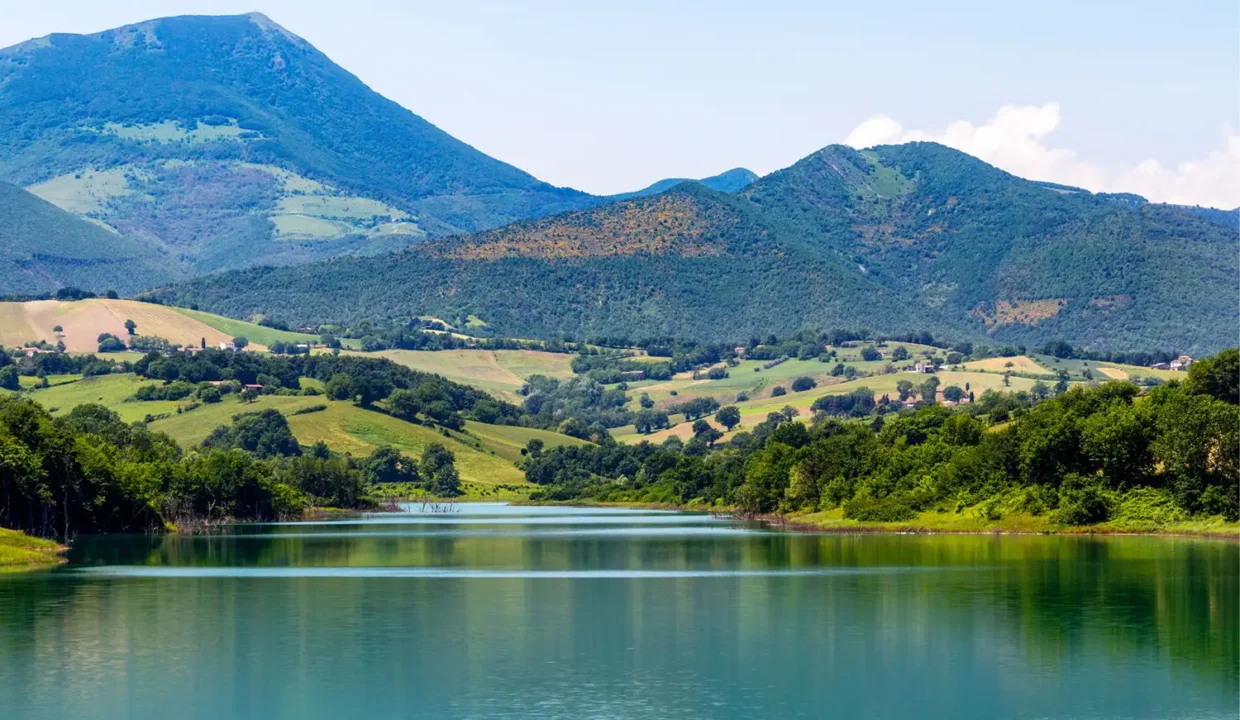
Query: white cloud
1015, 139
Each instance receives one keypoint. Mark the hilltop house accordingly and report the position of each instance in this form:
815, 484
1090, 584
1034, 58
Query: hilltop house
924, 367
228, 345
633, 375
1181, 363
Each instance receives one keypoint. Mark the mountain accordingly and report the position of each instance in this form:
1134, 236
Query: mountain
44, 248
229, 141
730, 181
895, 238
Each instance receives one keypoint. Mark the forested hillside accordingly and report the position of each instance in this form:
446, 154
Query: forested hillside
44, 248
229, 141
895, 239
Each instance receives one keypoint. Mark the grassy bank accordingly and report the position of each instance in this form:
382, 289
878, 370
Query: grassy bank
936, 522
19, 551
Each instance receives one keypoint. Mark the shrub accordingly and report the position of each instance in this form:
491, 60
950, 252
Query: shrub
778, 390
803, 383
1081, 501
892, 508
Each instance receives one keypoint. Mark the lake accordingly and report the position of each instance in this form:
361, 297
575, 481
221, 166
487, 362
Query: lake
534, 612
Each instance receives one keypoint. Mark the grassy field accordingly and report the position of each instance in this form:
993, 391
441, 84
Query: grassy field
1104, 370
500, 372
755, 410
485, 453
19, 551
508, 440
108, 390
348, 428
191, 428
255, 333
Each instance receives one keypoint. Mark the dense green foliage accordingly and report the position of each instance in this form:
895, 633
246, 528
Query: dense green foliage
44, 248
909, 238
225, 98
89, 472
1086, 456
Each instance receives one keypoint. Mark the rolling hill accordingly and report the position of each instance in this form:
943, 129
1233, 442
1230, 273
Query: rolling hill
81, 322
895, 239
730, 181
228, 141
44, 248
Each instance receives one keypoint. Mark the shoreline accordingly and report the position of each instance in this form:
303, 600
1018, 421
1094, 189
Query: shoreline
832, 523
20, 552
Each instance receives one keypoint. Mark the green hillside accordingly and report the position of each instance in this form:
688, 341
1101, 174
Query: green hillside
728, 181
289, 156
895, 239
44, 248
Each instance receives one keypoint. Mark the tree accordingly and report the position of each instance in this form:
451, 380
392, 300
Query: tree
905, 387
574, 427
438, 471
111, 343
954, 358
953, 393
645, 401
647, 421
9, 378
340, 387
209, 394
240, 342
870, 354
131, 327
533, 448
900, 353
387, 465
1218, 376
803, 383
929, 390
401, 404
263, 434
778, 390
728, 416
57, 329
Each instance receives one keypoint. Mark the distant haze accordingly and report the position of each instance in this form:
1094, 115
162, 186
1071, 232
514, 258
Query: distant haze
1137, 96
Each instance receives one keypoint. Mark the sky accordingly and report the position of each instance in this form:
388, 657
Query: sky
1133, 96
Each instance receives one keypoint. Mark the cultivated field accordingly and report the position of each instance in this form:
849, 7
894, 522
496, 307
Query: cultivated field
1018, 364
82, 321
500, 372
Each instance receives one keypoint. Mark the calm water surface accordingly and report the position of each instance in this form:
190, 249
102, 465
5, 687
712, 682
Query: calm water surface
508, 612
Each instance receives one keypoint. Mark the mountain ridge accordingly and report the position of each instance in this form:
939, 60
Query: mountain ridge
896, 238
292, 157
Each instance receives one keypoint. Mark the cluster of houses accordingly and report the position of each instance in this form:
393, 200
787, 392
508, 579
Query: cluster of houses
1180, 363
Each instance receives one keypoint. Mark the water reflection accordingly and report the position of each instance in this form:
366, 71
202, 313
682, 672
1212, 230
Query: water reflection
558, 612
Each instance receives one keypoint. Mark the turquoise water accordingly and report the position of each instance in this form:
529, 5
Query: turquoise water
497, 611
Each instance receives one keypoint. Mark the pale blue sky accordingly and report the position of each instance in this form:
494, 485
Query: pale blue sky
608, 97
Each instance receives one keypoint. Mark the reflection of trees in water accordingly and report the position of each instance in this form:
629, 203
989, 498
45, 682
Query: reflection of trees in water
1046, 600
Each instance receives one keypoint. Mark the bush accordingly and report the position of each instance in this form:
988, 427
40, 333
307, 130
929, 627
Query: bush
310, 409
1081, 501
892, 508
803, 383
778, 391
